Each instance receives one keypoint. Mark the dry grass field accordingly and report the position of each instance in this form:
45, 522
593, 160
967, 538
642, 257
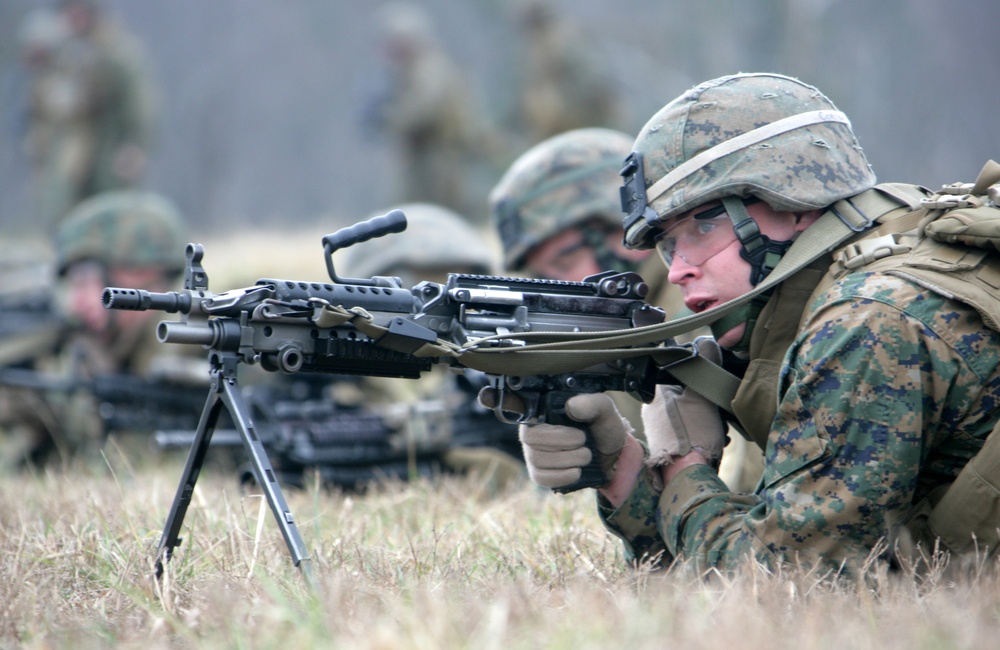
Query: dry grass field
428, 564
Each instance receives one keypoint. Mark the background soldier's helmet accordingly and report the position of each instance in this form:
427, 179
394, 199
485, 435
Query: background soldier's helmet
561, 182
762, 135
435, 238
123, 229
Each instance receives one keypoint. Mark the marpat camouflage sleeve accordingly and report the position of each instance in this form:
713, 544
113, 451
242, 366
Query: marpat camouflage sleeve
634, 522
887, 391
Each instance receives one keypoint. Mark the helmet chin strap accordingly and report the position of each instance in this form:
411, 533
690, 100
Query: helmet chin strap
763, 254
748, 314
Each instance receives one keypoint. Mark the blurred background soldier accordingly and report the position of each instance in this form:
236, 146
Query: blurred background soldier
438, 241
558, 213
559, 216
28, 319
428, 112
127, 239
563, 85
90, 109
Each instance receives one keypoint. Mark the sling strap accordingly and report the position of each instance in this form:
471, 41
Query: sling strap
546, 353
558, 352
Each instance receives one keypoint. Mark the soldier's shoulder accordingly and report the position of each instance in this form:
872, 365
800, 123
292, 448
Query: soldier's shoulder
876, 305
860, 294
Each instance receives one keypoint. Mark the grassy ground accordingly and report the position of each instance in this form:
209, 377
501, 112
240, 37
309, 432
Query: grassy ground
440, 564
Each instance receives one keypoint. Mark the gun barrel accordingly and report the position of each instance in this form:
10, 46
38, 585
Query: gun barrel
219, 334
140, 300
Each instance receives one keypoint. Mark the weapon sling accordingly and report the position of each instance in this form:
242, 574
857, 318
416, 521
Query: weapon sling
561, 352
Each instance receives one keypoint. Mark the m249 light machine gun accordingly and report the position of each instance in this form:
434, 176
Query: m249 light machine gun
376, 327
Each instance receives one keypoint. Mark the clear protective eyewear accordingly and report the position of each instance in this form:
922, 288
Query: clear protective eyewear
697, 238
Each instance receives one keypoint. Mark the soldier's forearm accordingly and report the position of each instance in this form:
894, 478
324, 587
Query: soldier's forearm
626, 474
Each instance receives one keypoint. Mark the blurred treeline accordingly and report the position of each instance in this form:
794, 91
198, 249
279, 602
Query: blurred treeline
262, 101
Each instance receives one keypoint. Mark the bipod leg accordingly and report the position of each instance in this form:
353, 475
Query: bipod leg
266, 478
195, 459
224, 392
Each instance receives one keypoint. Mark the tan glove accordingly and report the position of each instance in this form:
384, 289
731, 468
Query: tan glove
679, 419
556, 454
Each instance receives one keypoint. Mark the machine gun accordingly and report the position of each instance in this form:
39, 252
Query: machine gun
376, 327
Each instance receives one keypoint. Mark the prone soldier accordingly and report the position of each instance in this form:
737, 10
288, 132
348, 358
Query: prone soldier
49, 408
872, 345
438, 241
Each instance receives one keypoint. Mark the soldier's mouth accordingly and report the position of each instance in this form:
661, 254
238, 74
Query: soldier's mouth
698, 306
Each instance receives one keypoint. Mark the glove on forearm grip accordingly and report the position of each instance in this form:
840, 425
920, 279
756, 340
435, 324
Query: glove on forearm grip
679, 420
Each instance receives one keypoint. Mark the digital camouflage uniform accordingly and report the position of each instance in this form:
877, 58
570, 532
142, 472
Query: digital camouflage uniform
885, 392
888, 390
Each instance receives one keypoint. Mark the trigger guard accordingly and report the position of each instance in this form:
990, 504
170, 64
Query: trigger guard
529, 401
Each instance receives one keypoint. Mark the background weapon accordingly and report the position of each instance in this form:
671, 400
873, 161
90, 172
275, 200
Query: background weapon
29, 321
348, 446
126, 403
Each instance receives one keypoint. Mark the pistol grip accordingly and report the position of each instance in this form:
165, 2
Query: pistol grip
592, 475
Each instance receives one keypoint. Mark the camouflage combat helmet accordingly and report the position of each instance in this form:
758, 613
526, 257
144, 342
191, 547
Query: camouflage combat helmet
123, 228
566, 180
746, 135
435, 238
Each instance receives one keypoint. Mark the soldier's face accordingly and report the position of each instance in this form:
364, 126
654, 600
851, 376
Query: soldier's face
568, 257
565, 256
720, 274
85, 281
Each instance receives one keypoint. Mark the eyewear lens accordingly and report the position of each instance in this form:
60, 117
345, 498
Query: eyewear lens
695, 239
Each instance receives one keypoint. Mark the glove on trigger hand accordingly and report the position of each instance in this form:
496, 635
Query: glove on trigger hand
556, 454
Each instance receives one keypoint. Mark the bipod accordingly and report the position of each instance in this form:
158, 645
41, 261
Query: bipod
224, 392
